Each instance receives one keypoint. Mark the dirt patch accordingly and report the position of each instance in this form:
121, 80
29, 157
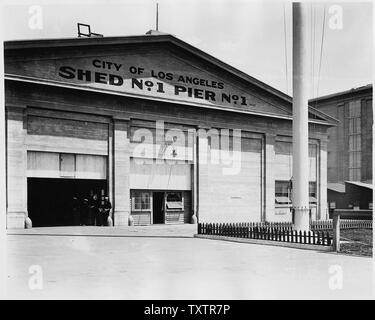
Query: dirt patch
356, 241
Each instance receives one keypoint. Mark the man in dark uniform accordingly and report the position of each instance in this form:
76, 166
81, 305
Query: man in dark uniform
93, 209
85, 212
104, 210
76, 210
100, 212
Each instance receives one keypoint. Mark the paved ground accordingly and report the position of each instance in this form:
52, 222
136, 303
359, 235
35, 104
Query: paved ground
162, 263
158, 230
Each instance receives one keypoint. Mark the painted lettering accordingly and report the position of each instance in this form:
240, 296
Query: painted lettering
106, 64
225, 97
96, 63
100, 77
115, 80
84, 75
160, 87
67, 72
178, 89
138, 83
210, 95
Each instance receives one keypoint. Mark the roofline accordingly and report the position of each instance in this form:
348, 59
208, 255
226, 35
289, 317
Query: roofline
324, 115
342, 93
361, 184
64, 42
156, 38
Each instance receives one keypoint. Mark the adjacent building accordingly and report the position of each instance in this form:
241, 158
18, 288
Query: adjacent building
349, 166
171, 134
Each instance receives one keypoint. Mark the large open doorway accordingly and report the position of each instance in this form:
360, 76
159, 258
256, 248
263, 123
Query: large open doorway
158, 207
50, 201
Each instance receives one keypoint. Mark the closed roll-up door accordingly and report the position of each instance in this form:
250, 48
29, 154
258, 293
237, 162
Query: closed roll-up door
234, 195
160, 176
66, 165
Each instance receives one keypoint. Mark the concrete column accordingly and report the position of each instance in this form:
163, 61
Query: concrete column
269, 180
336, 232
322, 181
16, 168
203, 192
195, 180
110, 177
121, 171
301, 91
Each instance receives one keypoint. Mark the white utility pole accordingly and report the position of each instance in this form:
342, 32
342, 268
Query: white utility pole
301, 87
157, 16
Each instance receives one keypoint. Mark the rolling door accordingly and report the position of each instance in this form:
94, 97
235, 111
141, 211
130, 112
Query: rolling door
66, 165
235, 197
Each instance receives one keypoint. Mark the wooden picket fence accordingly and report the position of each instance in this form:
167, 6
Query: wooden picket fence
344, 224
320, 225
263, 231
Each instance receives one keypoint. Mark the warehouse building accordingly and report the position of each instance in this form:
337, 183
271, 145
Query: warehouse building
171, 134
349, 147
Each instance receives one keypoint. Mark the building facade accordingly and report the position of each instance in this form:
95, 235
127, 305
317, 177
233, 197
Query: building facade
168, 132
349, 166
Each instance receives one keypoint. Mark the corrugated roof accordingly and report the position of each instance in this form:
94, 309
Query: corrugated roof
337, 187
361, 184
341, 93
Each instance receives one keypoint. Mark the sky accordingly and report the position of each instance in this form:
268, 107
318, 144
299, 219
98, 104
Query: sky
249, 35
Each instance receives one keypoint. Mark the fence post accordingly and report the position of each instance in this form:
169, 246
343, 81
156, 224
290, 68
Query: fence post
328, 239
336, 231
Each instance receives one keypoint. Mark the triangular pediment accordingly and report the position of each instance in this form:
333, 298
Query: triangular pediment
168, 70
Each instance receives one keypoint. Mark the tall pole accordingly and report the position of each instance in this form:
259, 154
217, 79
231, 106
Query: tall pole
157, 16
301, 86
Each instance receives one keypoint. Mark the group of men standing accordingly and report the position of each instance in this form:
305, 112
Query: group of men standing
91, 211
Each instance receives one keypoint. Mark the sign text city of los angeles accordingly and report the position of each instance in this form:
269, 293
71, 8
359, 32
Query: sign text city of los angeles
159, 78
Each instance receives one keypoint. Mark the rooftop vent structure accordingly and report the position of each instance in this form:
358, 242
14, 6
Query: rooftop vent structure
84, 30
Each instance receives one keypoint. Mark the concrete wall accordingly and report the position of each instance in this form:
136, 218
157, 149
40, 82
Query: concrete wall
121, 172
16, 167
118, 114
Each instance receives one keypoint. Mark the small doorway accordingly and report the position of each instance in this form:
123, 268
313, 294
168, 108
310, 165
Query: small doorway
158, 207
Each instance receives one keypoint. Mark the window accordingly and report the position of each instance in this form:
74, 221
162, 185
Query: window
141, 201
354, 174
282, 192
354, 135
312, 192
355, 109
355, 159
174, 201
